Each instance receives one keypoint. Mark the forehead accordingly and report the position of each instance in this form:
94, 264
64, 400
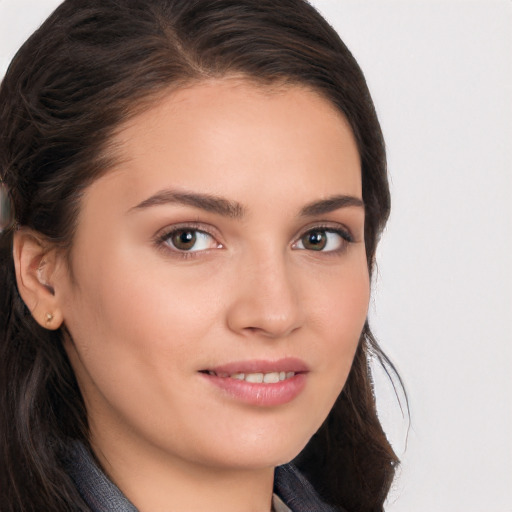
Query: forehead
232, 136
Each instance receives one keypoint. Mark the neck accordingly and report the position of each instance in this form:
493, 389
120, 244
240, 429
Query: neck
154, 481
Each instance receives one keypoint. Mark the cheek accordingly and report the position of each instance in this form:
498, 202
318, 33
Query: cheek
342, 306
340, 318
137, 336
135, 294
169, 305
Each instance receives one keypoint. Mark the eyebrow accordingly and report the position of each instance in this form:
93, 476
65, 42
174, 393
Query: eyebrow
233, 209
330, 204
207, 202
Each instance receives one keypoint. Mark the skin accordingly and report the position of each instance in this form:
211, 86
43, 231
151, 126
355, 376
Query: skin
145, 318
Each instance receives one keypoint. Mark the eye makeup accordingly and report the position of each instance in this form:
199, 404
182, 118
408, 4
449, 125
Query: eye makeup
191, 240
324, 239
187, 240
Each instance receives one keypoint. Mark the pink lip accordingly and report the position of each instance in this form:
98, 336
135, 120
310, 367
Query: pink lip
263, 395
289, 364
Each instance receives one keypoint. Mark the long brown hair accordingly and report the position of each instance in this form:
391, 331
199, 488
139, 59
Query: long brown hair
84, 72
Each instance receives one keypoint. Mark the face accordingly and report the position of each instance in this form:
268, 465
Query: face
224, 250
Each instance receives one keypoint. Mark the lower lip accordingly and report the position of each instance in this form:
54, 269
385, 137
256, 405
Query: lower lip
264, 395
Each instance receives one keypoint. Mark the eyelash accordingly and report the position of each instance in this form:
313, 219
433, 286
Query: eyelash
346, 238
163, 240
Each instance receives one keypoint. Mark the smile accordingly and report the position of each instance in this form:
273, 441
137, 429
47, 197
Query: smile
261, 383
256, 378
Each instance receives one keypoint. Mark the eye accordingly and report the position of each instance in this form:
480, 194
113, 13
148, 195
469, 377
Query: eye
322, 239
189, 240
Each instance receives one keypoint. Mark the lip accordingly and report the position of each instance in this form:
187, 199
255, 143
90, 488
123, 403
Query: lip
263, 395
288, 364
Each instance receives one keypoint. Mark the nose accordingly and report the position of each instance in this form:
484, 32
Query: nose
266, 301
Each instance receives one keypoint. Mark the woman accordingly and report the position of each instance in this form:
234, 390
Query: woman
199, 188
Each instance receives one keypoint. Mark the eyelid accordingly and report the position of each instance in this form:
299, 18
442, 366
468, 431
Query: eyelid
342, 230
161, 237
327, 226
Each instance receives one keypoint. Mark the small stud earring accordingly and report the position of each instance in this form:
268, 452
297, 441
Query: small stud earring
49, 318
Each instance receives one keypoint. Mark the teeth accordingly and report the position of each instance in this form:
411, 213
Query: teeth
271, 378
257, 378
267, 378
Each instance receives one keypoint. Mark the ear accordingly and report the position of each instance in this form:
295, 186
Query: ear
35, 263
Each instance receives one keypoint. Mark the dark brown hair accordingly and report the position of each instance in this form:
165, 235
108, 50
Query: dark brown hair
92, 65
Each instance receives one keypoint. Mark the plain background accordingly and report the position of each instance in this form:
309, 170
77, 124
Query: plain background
441, 78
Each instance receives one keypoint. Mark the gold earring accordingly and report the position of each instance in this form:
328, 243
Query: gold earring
49, 318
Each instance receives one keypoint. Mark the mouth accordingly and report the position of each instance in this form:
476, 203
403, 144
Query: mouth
261, 383
255, 377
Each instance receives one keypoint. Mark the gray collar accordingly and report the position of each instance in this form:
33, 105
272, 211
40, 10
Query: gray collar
102, 495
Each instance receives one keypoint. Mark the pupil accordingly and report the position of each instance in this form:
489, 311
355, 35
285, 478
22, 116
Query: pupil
184, 239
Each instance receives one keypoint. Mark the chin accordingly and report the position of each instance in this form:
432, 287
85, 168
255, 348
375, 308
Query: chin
258, 450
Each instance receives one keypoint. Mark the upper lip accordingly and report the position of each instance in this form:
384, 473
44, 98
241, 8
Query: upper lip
288, 364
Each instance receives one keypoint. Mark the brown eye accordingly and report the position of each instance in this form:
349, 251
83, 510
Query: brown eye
184, 240
189, 240
323, 240
314, 240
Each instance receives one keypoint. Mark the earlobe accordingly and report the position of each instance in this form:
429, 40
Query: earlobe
35, 263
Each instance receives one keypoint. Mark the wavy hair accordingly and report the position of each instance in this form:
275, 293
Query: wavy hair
90, 67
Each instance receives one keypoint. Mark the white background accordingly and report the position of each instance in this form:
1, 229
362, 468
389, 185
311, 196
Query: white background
441, 78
